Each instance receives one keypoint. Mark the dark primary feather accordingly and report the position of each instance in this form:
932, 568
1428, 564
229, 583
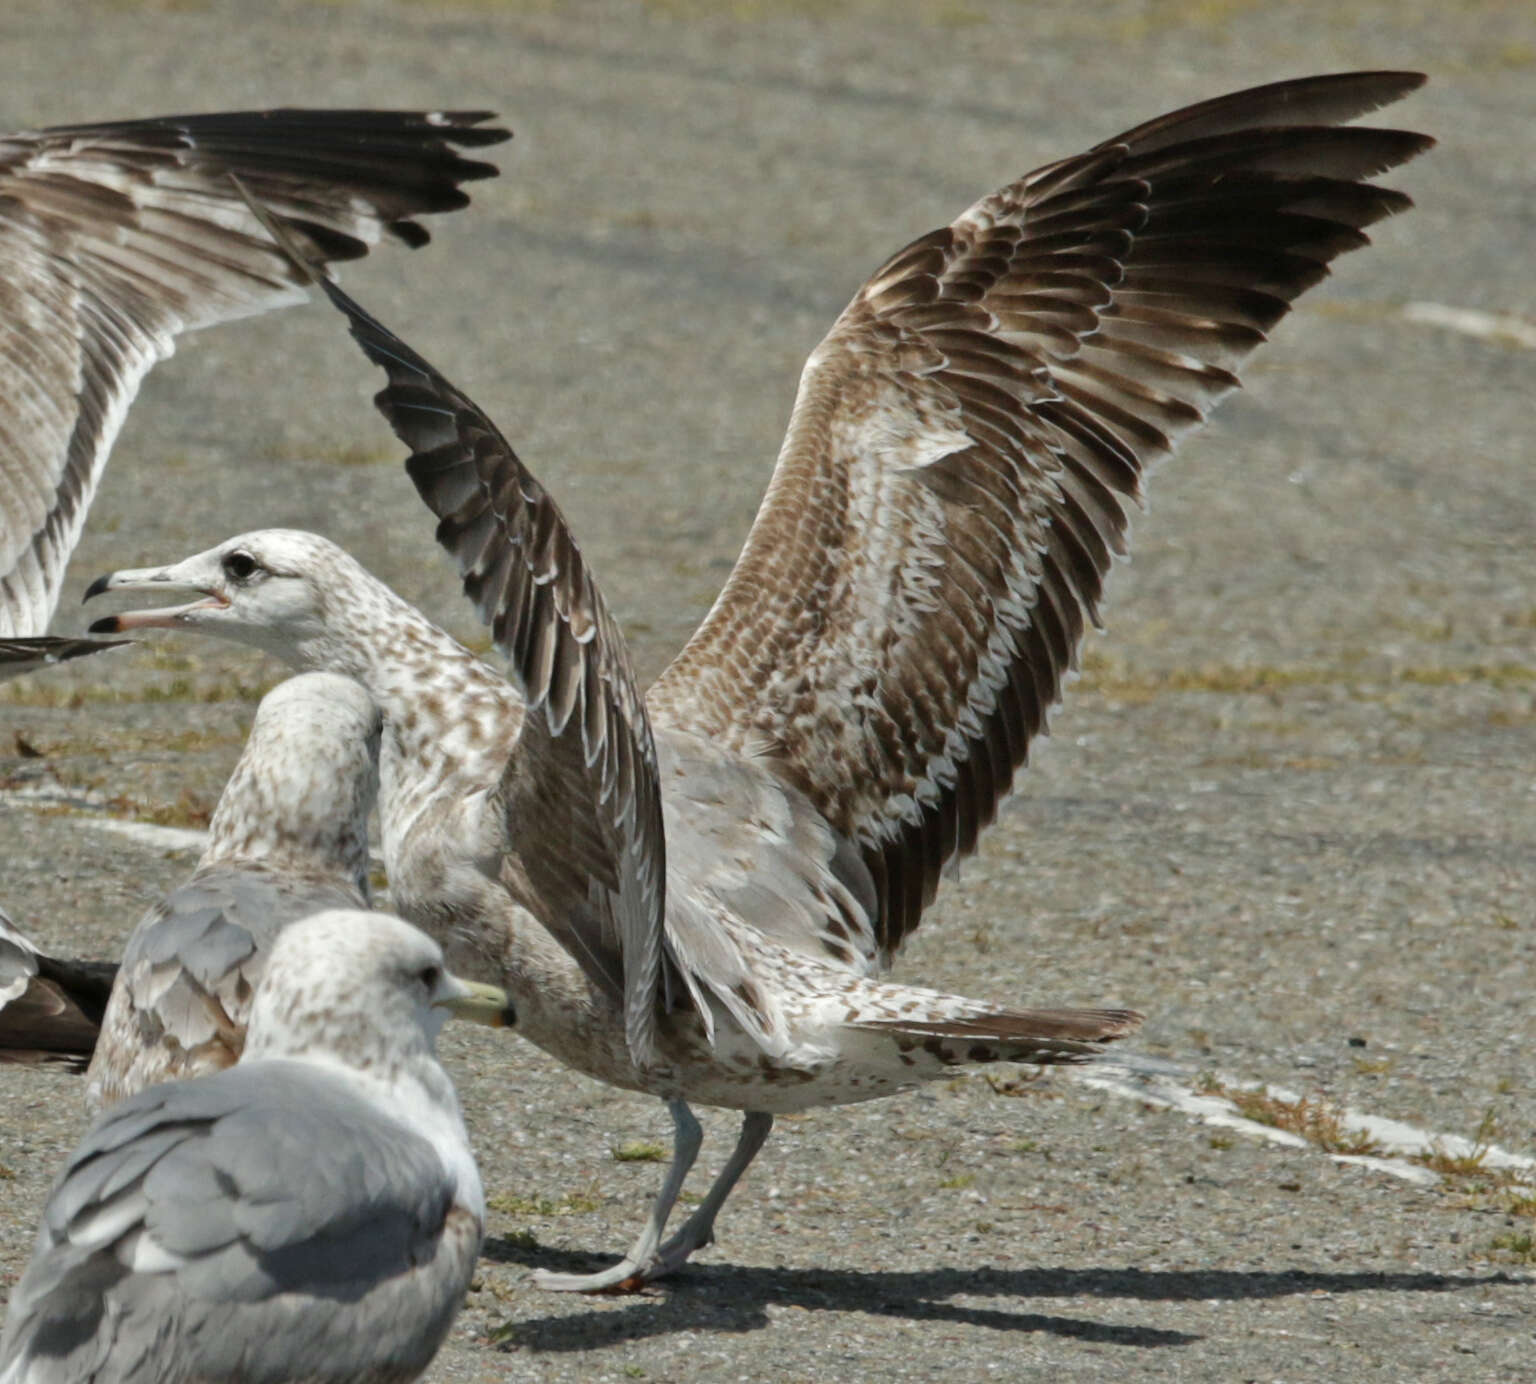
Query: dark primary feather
585, 764
327, 169
117, 236
18, 656
50, 1008
969, 440
586, 754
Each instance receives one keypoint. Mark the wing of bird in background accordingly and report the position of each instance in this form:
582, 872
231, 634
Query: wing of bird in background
18, 656
50, 1010
116, 237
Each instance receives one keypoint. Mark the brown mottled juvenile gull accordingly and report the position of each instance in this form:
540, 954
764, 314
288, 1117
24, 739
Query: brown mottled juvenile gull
116, 237
50, 1009
288, 838
313, 1213
692, 894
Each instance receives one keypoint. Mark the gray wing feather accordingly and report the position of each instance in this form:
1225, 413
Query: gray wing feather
184, 990
18, 959
278, 1214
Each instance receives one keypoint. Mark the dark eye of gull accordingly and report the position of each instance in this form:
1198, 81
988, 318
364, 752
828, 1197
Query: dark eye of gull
429, 976
239, 565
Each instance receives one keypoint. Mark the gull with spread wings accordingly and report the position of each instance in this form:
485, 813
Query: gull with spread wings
693, 893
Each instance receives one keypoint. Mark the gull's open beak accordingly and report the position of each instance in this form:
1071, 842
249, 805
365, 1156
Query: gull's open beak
480, 1004
152, 579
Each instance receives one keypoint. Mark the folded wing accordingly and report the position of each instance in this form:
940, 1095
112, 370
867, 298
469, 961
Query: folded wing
263, 1214
50, 1009
190, 970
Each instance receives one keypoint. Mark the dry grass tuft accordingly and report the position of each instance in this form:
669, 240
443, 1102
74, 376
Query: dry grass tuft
1317, 1120
639, 1151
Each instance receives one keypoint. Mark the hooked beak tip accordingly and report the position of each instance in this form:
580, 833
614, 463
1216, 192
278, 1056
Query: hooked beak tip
106, 625
101, 584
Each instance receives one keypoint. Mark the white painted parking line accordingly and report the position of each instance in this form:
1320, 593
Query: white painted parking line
1503, 327
1162, 1084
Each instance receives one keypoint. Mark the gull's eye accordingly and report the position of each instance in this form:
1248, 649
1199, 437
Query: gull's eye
429, 976
239, 565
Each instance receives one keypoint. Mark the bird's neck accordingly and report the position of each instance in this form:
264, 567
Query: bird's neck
303, 823
449, 720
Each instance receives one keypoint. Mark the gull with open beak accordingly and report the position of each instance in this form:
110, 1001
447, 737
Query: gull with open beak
693, 892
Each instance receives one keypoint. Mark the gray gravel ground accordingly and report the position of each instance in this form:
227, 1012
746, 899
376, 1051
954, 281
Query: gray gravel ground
1290, 804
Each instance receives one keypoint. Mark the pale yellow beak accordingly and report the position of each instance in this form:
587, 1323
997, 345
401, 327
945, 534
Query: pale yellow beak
480, 1004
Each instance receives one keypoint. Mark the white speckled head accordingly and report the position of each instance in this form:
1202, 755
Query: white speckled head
294, 594
448, 718
366, 988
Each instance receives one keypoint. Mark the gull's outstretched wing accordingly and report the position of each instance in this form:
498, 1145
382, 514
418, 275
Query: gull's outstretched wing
116, 237
580, 793
967, 442
248, 1225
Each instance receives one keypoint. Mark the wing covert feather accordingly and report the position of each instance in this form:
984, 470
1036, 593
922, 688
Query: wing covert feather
190, 969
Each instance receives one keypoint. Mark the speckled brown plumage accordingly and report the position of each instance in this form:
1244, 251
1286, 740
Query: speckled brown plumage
955, 483
967, 444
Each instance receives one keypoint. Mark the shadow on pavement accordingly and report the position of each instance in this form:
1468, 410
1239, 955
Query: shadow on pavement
726, 1298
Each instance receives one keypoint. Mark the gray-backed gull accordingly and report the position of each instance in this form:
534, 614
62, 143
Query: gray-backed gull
312, 1213
692, 894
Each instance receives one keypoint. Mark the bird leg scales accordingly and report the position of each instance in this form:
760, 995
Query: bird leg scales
631, 1271
699, 1229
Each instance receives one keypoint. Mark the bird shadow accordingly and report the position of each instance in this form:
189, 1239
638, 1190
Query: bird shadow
736, 1299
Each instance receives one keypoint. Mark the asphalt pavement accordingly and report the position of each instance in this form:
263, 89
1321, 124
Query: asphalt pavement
1288, 810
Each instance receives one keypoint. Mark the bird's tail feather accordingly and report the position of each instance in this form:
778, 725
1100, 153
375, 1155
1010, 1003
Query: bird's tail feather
1005, 1035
